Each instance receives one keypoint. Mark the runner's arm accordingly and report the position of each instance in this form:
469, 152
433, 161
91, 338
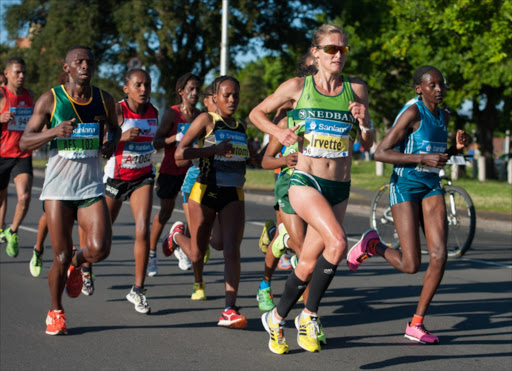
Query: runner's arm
360, 112
33, 137
407, 123
162, 138
113, 127
201, 125
287, 92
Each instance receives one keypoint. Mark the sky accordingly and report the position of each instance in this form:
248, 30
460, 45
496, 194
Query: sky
3, 5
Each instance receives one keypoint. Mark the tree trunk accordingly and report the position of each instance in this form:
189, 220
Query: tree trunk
487, 121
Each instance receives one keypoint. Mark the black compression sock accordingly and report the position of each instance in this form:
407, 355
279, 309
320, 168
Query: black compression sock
293, 289
320, 281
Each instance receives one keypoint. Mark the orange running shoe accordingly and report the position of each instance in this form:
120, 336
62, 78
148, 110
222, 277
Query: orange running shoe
232, 319
75, 282
56, 323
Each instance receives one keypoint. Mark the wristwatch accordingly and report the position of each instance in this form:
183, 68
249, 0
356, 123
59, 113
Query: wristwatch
366, 130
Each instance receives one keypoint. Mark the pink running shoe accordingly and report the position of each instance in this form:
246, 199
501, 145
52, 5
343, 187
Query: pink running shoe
169, 244
360, 252
420, 334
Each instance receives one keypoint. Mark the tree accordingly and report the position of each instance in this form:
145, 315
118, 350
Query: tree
54, 26
170, 37
469, 41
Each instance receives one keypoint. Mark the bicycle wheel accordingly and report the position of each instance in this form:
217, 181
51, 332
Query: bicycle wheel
381, 218
461, 216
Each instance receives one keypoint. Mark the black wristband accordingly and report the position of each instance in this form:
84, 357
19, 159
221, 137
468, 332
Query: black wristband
452, 151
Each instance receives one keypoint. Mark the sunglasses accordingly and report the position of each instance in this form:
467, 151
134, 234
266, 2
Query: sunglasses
333, 49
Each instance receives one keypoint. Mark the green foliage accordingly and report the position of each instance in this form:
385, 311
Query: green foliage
259, 79
469, 41
170, 37
53, 28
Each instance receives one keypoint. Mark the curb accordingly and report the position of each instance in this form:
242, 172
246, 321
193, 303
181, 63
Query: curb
359, 204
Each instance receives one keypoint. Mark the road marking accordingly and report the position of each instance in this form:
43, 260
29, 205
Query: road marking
486, 262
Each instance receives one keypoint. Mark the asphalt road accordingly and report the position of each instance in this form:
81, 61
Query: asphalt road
364, 313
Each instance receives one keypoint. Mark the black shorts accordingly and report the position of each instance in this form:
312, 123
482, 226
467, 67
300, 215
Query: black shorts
215, 197
168, 186
14, 166
121, 190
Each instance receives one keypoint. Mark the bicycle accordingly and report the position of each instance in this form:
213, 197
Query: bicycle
460, 214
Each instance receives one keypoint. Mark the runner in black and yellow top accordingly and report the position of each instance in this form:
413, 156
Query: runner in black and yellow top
75, 114
223, 152
330, 109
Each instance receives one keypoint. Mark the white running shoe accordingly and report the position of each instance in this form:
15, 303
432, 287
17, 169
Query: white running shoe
184, 261
152, 267
138, 298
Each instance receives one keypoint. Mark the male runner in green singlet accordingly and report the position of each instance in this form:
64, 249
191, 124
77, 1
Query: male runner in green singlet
75, 114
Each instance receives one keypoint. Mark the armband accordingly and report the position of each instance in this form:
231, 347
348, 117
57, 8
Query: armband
366, 130
452, 151
110, 136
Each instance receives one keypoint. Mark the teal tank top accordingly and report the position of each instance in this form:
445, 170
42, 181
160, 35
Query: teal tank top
431, 137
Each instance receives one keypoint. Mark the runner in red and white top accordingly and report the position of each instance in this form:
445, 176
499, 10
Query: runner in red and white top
130, 172
175, 122
16, 108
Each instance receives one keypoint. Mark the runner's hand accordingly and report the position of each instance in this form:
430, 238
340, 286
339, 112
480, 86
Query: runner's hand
224, 148
65, 128
107, 149
434, 159
6, 117
130, 134
291, 159
287, 137
462, 139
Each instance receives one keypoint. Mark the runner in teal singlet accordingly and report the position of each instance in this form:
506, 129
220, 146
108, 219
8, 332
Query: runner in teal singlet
75, 114
416, 145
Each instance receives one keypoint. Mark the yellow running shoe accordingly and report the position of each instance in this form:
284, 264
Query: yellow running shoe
206, 255
12, 249
307, 335
277, 343
267, 234
279, 246
2, 236
36, 264
321, 335
198, 293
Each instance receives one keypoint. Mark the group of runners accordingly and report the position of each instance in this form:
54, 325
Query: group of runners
317, 118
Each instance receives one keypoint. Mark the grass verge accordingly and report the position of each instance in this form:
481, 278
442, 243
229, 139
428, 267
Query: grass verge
491, 195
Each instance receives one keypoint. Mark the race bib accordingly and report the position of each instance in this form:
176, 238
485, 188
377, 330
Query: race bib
430, 147
326, 138
182, 129
456, 160
83, 143
239, 143
21, 117
137, 155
